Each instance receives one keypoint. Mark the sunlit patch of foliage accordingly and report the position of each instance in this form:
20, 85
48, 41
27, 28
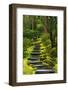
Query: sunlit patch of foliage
56, 67
27, 69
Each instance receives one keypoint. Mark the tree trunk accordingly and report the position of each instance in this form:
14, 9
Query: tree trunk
46, 24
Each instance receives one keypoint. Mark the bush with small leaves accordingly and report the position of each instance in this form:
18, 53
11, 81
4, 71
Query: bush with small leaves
27, 69
53, 52
55, 68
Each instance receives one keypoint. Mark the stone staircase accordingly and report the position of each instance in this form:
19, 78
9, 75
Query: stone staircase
35, 61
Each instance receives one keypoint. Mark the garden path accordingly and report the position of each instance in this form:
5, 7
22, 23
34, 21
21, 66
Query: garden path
36, 61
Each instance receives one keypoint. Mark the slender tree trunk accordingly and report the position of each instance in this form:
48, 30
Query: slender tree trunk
46, 24
51, 38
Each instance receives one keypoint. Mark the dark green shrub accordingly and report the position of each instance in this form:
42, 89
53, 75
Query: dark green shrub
53, 52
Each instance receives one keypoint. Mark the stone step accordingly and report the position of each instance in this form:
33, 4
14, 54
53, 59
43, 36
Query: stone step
37, 45
44, 71
35, 53
39, 66
36, 50
35, 62
33, 58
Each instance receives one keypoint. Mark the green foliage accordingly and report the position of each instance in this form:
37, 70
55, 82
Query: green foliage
55, 68
27, 52
28, 33
27, 69
53, 52
40, 30
48, 60
26, 44
46, 64
45, 36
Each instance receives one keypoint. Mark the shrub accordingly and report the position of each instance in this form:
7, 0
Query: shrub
26, 44
55, 68
27, 69
45, 36
54, 52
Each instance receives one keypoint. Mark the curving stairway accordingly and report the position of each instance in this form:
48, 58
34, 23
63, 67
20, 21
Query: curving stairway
35, 61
